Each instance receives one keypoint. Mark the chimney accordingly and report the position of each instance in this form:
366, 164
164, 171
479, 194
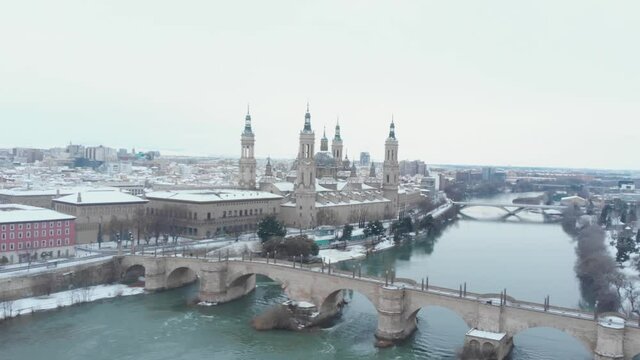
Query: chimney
79, 198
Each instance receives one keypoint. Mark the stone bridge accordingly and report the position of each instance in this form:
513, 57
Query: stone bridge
511, 209
493, 318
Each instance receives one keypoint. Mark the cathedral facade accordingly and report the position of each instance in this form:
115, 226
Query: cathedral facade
324, 187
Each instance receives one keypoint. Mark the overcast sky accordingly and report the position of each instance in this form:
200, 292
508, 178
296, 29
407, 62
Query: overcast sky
542, 83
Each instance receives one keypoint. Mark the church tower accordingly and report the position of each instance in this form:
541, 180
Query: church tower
268, 171
391, 170
336, 147
305, 186
247, 159
324, 142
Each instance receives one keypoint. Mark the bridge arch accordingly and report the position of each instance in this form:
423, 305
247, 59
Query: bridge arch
180, 276
446, 310
334, 299
134, 274
242, 281
553, 341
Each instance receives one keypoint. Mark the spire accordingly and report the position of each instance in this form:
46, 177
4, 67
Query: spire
392, 129
324, 142
267, 170
247, 122
307, 120
372, 171
353, 170
337, 136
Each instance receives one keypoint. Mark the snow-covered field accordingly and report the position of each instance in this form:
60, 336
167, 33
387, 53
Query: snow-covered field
65, 298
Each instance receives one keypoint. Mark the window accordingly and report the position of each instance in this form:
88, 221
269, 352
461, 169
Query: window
35, 244
28, 244
20, 235
59, 223
28, 226
51, 232
20, 246
66, 241
3, 247
44, 232
12, 227
12, 235
66, 223
51, 242
44, 243
59, 232
224, 214
35, 226
4, 236
11, 247
66, 231
44, 225
19, 226
4, 227
51, 224
59, 242
28, 234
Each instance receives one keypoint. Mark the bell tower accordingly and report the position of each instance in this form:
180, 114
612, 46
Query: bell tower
247, 159
305, 185
391, 170
336, 147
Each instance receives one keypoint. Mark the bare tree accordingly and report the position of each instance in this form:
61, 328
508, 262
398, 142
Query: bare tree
7, 309
326, 217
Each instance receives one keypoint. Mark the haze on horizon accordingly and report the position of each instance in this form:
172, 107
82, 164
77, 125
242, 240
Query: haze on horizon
540, 83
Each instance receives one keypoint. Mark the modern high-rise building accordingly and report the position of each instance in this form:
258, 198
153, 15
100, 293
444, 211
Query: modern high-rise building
365, 159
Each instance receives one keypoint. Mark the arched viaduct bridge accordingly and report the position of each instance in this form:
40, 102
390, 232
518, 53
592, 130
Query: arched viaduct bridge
510, 209
397, 305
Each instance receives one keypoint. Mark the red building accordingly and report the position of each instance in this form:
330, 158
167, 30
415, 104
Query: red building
33, 233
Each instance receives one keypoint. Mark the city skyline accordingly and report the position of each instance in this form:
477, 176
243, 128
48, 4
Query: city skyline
545, 84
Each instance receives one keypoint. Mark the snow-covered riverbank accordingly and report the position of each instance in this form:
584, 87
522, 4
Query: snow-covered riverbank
65, 298
352, 252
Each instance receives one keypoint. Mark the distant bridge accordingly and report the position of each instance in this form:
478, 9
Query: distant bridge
510, 209
397, 304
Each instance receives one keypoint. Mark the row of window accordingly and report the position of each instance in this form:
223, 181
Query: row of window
43, 233
35, 225
35, 244
249, 212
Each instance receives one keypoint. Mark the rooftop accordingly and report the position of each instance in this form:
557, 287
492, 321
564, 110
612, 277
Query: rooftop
104, 196
215, 195
13, 213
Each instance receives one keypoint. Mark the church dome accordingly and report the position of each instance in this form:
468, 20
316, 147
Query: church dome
324, 159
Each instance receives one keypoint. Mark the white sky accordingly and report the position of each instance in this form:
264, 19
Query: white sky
541, 83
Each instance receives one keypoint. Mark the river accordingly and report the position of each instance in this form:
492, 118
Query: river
530, 260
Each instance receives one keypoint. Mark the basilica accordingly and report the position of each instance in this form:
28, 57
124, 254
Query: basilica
323, 187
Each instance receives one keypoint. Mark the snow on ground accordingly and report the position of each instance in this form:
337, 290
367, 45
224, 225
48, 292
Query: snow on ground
65, 298
335, 255
237, 248
383, 245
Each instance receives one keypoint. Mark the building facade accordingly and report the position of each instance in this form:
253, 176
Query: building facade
207, 213
94, 209
29, 233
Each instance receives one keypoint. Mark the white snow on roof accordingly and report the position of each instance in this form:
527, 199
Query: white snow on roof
207, 196
13, 213
52, 191
284, 186
100, 197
